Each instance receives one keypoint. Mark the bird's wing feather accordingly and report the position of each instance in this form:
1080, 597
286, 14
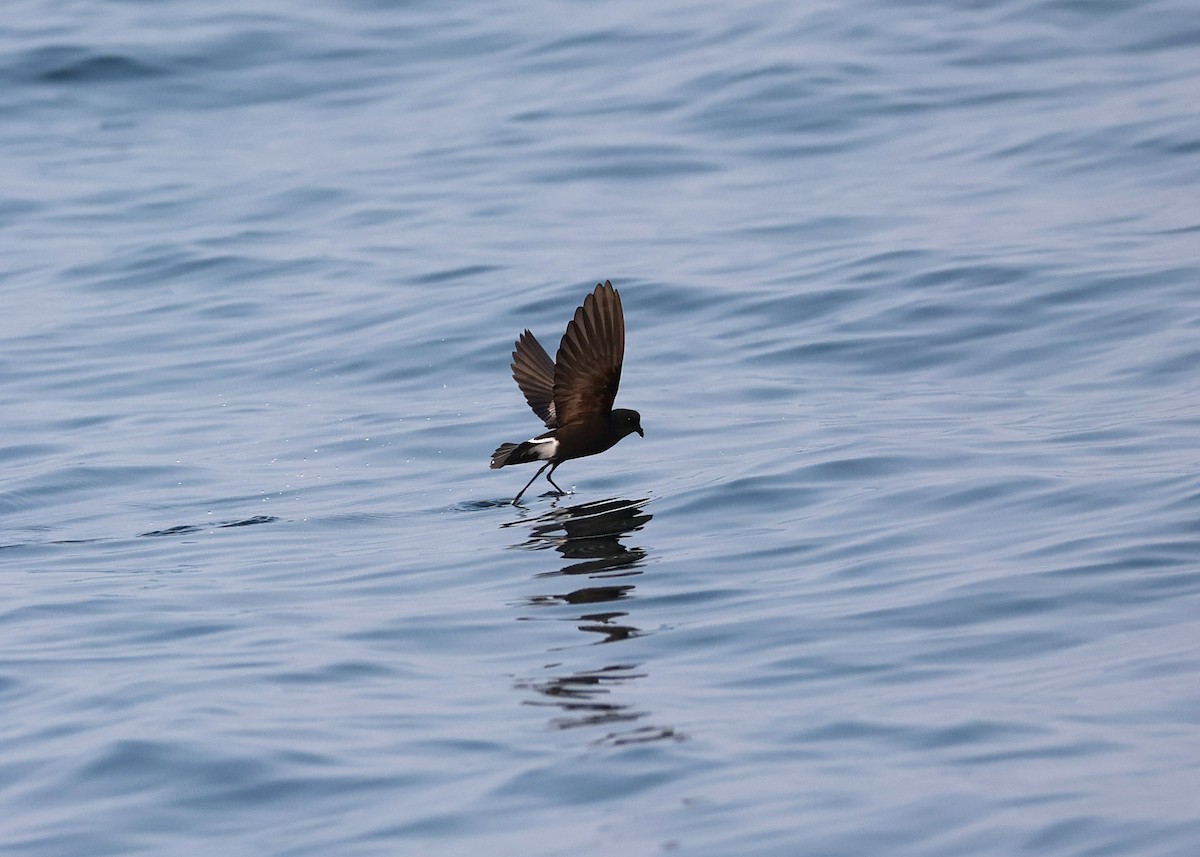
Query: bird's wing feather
534, 373
587, 369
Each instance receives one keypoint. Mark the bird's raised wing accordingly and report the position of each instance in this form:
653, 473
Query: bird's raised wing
534, 373
587, 369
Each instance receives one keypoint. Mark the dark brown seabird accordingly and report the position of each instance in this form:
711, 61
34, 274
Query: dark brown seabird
574, 394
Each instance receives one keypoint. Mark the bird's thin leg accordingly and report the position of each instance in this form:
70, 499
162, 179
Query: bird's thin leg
550, 479
530, 482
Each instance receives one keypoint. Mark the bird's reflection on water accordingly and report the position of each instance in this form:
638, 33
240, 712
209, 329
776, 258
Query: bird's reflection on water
588, 536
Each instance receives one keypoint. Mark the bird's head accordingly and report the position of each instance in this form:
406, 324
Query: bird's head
628, 421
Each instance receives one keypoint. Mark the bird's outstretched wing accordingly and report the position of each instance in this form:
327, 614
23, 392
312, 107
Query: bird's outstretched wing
534, 373
587, 369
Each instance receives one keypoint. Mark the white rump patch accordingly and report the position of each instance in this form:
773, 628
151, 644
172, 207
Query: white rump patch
544, 449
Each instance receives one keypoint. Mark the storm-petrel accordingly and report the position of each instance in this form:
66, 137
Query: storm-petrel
574, 394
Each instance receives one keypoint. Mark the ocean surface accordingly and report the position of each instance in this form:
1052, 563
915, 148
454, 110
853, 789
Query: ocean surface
907, 563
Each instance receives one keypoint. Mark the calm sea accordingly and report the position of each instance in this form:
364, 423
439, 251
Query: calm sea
908, 562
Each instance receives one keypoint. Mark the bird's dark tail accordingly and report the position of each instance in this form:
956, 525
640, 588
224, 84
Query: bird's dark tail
503, 452
517, 453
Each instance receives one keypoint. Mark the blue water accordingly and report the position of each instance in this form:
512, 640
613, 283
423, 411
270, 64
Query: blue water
908, 562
